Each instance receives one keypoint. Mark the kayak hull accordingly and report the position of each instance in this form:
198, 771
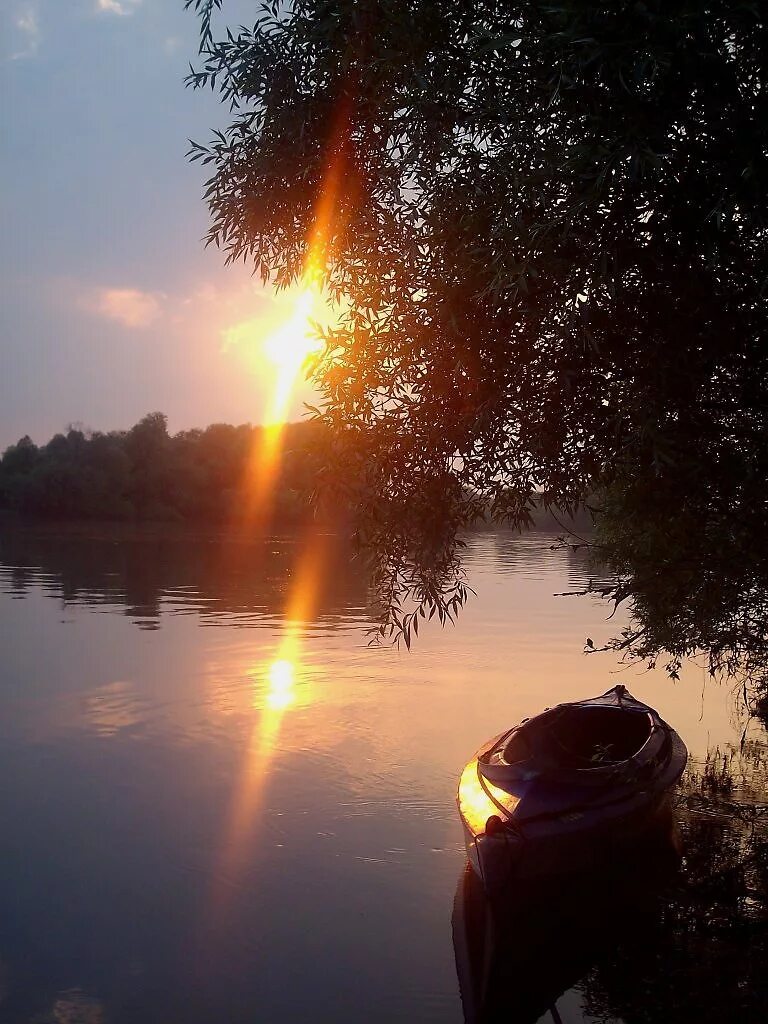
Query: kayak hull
544, 818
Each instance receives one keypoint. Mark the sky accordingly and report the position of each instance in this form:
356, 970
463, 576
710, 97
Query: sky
110, 307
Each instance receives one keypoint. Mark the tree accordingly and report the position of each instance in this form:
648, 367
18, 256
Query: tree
147, 474
546, 224
20, 457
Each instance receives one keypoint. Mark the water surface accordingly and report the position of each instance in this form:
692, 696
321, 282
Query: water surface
220, 804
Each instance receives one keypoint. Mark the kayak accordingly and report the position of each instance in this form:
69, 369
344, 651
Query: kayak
566, 788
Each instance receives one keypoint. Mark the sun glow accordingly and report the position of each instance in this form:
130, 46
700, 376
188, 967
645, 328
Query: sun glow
291, 345
288, 349
281, 355
281, 350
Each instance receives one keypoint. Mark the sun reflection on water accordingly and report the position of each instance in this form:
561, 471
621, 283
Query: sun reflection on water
278, 689
273, 695
281, 693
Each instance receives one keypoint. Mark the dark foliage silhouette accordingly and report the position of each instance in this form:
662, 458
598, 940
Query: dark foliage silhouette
549, 233
145, 473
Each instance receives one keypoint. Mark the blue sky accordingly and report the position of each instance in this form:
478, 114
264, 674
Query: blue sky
110, 306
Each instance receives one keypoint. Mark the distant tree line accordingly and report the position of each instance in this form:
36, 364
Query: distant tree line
145, 473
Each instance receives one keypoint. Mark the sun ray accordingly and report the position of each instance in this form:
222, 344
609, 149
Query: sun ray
276, 692
287, 350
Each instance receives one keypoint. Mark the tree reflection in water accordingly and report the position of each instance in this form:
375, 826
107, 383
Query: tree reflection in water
149, 569
663, 937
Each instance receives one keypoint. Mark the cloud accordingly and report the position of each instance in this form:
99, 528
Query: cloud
127, 306
121, 7
26, 22
28, 28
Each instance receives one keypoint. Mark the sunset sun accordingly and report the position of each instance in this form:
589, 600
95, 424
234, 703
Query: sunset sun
290, 346
276, 348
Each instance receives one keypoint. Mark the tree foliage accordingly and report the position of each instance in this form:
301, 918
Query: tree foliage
145, 473
548, 234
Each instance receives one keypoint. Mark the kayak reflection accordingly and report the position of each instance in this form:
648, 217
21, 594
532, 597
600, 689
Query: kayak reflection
518, 959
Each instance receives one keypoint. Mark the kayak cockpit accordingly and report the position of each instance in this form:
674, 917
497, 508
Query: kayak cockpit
581, 743
580, 736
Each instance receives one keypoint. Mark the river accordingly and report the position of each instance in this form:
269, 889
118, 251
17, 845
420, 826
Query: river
221, 804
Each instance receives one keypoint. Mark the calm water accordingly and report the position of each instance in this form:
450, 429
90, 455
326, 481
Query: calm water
220, 805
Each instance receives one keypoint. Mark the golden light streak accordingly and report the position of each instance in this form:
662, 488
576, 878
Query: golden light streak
289, 347
276, 691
